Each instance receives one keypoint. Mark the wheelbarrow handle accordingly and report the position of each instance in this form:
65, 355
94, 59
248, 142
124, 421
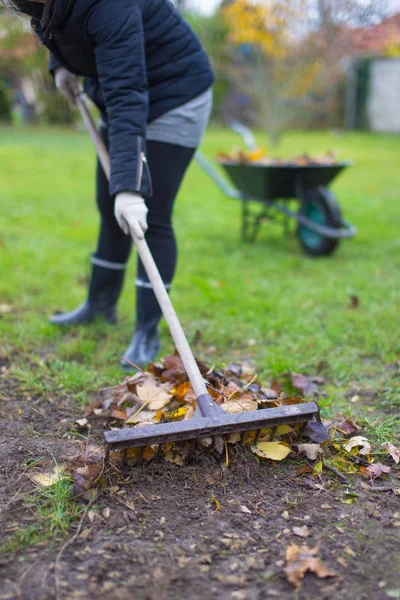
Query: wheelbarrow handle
245, 134
150, 266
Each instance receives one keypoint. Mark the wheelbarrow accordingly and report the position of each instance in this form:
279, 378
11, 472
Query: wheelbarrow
320, 226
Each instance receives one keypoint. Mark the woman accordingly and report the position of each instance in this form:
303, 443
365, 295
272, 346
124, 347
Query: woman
146, 71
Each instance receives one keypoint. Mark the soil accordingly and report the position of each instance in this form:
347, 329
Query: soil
154, 532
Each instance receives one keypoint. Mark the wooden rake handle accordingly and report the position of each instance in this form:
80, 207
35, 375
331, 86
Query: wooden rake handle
150, 266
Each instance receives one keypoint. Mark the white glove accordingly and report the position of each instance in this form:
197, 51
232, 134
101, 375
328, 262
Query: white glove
66, 83
131, 212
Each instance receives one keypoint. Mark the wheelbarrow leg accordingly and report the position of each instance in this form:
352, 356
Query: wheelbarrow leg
251, 222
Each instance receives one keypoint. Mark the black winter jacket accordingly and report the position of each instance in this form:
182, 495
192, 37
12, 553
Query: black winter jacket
139, 58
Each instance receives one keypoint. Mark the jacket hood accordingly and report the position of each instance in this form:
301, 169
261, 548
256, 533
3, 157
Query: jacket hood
54, 13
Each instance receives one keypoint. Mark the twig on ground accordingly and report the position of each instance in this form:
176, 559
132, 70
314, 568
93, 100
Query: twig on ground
339, 475
10, 501
131, 363
356, 459
215, 389
382, 488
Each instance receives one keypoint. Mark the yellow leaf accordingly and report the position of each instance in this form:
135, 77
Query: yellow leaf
217, 503
180, 412
255, 155
148, 454
282, 430
175, 458
271, 450
47, 479
318, 467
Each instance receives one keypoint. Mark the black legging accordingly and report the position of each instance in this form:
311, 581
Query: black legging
168, 163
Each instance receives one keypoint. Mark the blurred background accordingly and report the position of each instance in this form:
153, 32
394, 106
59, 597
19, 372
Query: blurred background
310, 75
279, 64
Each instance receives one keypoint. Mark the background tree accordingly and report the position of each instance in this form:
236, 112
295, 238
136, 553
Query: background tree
24, 69
268, 60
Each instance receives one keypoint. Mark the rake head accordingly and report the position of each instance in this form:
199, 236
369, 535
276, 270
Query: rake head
209, 420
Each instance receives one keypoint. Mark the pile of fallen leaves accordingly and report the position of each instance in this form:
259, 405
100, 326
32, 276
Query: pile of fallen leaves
163, 394
259, 156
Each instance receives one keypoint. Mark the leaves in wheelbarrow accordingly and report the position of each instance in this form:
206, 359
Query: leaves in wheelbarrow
258, 156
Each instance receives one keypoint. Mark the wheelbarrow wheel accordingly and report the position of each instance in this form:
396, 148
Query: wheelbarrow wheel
319, 205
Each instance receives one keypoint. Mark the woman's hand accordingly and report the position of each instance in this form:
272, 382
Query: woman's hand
66, 83
131, 212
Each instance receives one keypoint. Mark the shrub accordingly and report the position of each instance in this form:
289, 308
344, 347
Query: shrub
5, 105
56, 109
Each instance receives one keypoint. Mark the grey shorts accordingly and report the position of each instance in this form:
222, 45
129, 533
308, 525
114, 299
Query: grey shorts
185, 125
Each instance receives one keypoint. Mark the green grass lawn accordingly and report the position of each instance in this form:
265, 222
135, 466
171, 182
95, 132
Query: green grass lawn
265, 302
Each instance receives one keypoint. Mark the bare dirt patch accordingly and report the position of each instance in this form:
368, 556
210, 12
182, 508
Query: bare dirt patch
155, 532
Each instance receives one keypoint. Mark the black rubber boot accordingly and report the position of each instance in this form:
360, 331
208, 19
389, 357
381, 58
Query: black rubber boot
145, 344
104, 290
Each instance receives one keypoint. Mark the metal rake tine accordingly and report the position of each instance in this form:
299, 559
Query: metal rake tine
140, 457
258, 433
190, 454
157, 457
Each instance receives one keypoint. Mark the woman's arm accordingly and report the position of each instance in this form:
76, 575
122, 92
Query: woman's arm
116, 31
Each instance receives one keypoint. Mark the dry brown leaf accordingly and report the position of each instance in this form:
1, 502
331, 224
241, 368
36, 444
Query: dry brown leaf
113, 393
234, 437
270, 393
86, 468
354, 301
206, 442
394, 451
304, 384
312, 451
348, 426
359, 441
90, 408
301, 560
375, 470
302, 532
118, 413
6, 308
238, 406
191, 409
154, 396
271, 450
